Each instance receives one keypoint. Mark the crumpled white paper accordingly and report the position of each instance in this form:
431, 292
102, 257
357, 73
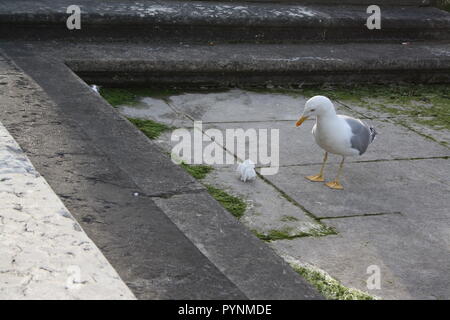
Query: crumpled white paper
247, 170
95, 88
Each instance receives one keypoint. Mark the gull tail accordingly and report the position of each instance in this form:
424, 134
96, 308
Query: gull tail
373, 134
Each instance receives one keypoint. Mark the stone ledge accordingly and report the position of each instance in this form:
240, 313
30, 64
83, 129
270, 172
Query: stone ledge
212, 21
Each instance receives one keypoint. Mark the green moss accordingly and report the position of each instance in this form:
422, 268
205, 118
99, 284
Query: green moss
416, 101
283, 234
234, 205
150, 128
118, 96
330, 288
130, 96
197, 171
288, 218
288, 234
443, 4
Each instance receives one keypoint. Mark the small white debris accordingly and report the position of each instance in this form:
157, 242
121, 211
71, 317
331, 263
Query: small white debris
247, 170
136, 194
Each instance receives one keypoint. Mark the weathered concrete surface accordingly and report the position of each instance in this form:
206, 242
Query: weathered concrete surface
392, 214
157, 110
267, 209
187, 64
369, 187
109, 175
198, 216
45, 254
238, 105
412, 256
215, 21
246, 64
248, 110
148, 251
297, 146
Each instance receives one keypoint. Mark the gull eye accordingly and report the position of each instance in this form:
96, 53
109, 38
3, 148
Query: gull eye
312, 110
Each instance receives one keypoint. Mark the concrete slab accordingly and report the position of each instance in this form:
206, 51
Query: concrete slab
217, 234
267, 209
238, 105
297, 145
440, 135
402, 202
370, 187
411, 264
155, 109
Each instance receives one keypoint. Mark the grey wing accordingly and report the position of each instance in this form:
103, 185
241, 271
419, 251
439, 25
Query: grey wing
362, 135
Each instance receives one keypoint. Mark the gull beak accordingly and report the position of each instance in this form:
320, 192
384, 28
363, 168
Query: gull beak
300, 121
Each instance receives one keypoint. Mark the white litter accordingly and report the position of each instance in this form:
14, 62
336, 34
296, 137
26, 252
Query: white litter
95, 88
247, 170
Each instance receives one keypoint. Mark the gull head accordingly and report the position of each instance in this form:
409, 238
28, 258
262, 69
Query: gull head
314, 107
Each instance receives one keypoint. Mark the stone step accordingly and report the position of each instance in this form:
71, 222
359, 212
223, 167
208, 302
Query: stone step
357, 2
258, 64
220, 22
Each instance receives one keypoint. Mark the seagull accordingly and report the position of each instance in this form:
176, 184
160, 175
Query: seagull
336, 134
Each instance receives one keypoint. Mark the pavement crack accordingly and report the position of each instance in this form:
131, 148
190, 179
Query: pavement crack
170, 194
363, 161
295, 203
361, 215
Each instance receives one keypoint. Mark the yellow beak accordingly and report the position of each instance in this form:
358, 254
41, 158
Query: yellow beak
300, 121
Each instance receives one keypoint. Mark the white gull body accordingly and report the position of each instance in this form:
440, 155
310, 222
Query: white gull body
338, 134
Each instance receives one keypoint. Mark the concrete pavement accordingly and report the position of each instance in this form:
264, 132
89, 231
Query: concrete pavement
109, 175
393, 214
45, 254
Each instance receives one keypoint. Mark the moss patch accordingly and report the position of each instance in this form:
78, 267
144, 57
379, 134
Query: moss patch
150, 128
288, 218
197, 171
130, 96
234, 205
426, 104
330, 288
116, 96
283, 234
443, 4
288, 234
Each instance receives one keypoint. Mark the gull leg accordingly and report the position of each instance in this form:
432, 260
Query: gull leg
336, 184
319, 177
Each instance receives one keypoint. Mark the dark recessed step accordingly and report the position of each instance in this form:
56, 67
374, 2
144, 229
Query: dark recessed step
219, 22
258, 64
